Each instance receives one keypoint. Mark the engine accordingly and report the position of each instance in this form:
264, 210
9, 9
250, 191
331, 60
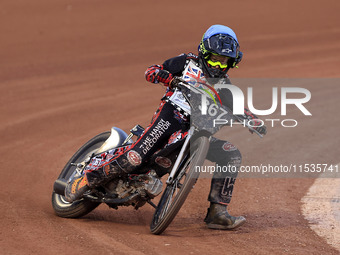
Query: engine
136, 189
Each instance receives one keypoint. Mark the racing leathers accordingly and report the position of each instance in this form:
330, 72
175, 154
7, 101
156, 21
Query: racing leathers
166, 122
222, 153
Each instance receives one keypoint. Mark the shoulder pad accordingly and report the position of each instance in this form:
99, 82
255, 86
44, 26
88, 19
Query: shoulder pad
191, 55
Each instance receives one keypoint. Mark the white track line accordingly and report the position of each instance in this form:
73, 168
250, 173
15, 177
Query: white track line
321, 207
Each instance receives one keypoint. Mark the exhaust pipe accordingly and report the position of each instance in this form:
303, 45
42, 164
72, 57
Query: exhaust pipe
59, 186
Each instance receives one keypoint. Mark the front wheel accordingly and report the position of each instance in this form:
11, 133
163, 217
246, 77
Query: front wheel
79, 208
175, 193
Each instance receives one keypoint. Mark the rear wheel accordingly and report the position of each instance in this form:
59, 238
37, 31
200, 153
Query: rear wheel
78, 208
175, 193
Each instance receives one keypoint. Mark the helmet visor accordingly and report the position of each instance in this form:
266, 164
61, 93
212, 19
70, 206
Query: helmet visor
223, 45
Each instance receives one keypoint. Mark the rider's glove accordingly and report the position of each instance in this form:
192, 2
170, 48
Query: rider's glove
164, 76
254, 122
258, 126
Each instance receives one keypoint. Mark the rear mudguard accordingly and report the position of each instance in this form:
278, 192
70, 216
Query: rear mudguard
116, 139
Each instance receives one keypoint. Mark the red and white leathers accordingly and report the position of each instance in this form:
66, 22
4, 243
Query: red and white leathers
165, 122
223, 153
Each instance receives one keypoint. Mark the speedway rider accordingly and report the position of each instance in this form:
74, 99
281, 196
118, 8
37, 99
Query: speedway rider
218, 52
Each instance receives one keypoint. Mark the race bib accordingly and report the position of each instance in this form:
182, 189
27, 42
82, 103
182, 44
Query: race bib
193, 75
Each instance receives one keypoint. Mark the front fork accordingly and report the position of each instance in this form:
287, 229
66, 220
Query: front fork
180, 156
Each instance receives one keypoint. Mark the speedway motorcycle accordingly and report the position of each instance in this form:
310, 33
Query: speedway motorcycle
178, 162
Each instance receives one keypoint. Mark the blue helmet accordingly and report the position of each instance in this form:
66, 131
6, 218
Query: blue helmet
221, 40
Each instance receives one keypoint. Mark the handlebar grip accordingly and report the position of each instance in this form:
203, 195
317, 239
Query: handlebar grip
174, 83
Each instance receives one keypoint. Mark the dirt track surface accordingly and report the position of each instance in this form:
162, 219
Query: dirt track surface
72, 69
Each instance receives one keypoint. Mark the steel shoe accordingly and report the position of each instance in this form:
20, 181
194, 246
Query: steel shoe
75, 189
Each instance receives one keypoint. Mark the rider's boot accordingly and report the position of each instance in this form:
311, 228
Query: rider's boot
219, 218
78, 186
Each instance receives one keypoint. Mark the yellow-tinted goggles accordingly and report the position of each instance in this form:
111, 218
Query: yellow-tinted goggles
215, 60
217, 63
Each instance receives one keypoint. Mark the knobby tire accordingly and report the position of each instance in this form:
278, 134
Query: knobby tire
82, 207
172, 201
